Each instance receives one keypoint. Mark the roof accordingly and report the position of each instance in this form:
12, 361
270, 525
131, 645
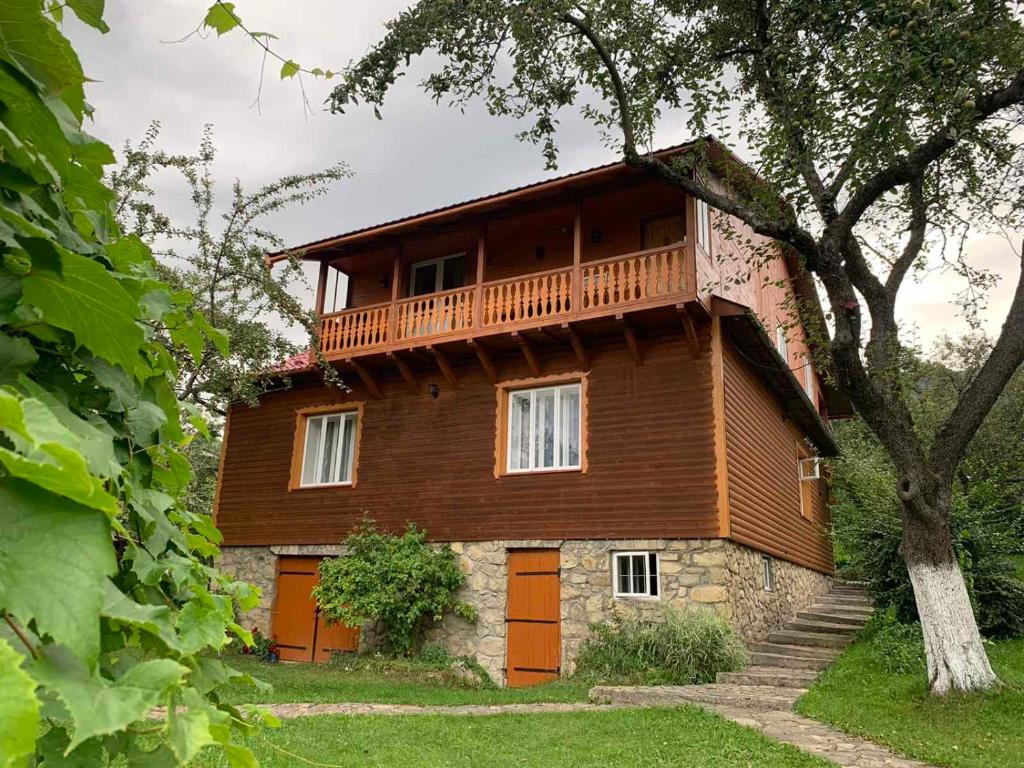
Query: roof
466, 206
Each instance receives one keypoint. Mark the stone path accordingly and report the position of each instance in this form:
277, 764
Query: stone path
306, 710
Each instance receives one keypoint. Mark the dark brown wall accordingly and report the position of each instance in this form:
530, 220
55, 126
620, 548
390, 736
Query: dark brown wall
764, 489
650, 451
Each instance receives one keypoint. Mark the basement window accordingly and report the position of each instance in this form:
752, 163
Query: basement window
636, 574
768, 573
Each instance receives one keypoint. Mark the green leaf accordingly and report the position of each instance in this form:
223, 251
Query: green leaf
19, 708
16, 356
90, 12
188, 728
289, 69
201, 623
222, 18
98, 705
157, 620
218, 337
40, 531
86, 300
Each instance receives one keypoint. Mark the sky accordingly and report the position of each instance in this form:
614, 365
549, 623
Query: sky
420, 156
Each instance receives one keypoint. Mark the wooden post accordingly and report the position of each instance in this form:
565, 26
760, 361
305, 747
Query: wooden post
396, 281
478, 293
577, 258
321, 287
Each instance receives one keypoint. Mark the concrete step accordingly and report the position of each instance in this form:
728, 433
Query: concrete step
776, 677
856, 602
757, 697
846, 590
789, 662
796, 637
803, 651
830, 617
821, 627
846, 610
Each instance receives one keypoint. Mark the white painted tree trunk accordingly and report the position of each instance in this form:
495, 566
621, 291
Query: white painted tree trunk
956, 656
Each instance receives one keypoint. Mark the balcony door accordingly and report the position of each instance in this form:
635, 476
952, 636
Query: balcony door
437, 275
435, 315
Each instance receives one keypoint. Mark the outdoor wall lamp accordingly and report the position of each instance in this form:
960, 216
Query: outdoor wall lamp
433, 390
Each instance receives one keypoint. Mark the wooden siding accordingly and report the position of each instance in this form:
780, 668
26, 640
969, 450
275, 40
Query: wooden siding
764, 485
651, 459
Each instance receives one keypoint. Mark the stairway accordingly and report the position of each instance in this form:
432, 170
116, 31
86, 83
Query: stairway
780, 670
796, 654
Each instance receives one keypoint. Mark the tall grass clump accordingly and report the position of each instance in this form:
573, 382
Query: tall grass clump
680, 647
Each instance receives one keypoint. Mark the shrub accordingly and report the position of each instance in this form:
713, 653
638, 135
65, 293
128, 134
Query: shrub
898, 648
401, 582
680, 647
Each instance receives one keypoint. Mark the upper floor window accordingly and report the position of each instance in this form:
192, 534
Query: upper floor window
328, 448
809, 470
781, 342
544, 428
435, 275
636, 574
703, 225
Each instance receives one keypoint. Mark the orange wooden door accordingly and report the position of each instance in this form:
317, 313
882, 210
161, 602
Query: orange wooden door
664, 231
533, 619
298, 629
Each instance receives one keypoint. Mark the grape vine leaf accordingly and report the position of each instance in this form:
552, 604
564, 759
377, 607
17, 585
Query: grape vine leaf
16, 356
40, 529
98, 705
19, 708
85, 299
221, 17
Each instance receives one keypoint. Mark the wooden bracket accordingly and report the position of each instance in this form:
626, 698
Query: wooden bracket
485, 359
630, 335
367, 378
443, 364
691, 330
528, 353
577, 345
406, 371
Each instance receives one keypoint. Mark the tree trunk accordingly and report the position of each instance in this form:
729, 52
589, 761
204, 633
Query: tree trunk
956, 657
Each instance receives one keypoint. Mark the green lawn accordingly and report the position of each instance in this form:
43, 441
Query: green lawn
382, 683
621, 738
976, 731
1019, 560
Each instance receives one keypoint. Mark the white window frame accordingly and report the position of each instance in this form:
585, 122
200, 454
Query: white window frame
810, 469
343, 417
703, 214
768, 573
438, 275
809, 378
781, 342
536, 431
655, 577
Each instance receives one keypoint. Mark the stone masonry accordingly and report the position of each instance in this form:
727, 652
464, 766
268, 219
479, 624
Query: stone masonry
716, 574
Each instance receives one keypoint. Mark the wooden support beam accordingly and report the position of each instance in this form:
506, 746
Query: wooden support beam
528, 353
321, 286
691, 330
406, 371
485, 360
444, 366
366, 377
577, 345
630, 335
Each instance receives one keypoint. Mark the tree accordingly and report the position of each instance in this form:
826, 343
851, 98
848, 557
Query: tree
878, 127
222, 268
107, 605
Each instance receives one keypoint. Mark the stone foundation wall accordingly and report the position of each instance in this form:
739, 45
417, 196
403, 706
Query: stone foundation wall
716, 574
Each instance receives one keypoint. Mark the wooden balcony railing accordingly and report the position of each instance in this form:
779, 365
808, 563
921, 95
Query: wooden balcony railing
595, 287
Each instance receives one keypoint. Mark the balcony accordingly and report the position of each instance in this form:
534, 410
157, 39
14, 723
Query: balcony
659, 277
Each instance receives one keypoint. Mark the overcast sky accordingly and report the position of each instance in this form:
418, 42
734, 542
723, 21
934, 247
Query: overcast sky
419, 157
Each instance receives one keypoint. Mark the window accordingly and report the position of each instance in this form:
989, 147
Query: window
809, 471
809, 378
636, 574
768, 573
438, 275
328, 448
809, 468
544, 428
781, 342
703, 225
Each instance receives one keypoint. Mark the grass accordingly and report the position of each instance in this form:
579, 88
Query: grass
623, 738
1019, 561
387, 682
961, 731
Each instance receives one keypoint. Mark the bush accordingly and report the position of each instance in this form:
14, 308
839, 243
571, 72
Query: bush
400, 582
868, 531
898, 648
682, 647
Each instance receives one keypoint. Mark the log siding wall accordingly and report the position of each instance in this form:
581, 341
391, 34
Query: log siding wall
650, 462
764, 489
